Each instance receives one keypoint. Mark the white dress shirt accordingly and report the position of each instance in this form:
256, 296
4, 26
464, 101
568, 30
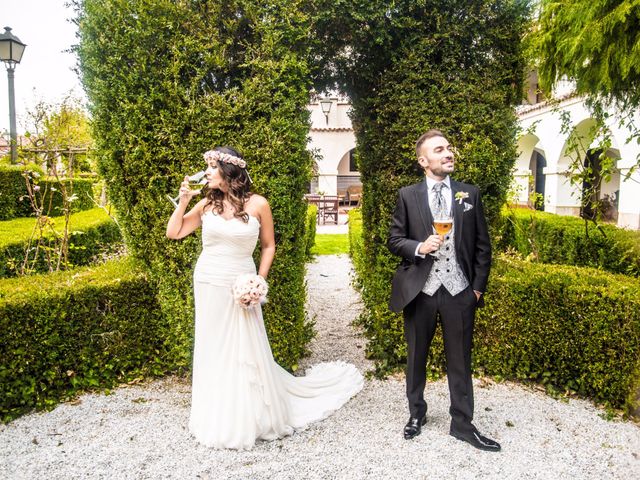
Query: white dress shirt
446, 193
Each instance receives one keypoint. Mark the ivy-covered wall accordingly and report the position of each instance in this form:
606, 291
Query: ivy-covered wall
408, 67
169, 80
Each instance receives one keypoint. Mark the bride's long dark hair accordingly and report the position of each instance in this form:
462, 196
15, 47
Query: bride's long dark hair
238, 187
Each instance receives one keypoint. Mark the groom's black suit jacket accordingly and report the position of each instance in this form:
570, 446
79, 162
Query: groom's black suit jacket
412, 223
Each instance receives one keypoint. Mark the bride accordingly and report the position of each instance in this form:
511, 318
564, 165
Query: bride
239, 393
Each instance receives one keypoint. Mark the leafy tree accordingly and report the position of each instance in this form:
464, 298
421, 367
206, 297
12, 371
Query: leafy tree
61, 132
597, 45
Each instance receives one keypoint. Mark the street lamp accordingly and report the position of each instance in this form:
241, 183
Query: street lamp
11, 50
325, 105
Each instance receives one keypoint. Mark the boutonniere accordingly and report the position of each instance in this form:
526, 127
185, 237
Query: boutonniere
460, 196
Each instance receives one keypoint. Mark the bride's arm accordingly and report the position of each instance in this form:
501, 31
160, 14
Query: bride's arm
267, 239
181, 225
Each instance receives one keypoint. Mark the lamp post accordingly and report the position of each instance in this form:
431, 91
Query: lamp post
11, 50
325, 105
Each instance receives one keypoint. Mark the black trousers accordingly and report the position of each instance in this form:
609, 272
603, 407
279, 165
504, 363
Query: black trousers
456, 314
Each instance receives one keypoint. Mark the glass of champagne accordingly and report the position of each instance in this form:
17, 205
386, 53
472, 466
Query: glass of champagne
442, 225
196, 182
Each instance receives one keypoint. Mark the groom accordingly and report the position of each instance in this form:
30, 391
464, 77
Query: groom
440, 277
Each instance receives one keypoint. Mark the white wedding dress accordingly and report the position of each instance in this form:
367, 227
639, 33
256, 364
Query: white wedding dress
239, 393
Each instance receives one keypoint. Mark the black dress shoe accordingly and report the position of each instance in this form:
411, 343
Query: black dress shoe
414, 427
479, 441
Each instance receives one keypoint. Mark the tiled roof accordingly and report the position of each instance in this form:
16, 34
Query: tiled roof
331, 129
524, 109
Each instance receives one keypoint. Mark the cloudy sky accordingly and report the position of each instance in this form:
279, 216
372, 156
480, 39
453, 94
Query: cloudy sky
46, 70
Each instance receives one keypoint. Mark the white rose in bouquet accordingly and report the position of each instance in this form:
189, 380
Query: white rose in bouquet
250, 290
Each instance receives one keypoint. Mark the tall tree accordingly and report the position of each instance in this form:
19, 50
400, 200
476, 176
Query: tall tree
596, 44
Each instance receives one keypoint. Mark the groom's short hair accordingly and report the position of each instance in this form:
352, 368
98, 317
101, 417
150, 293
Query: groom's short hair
426, 136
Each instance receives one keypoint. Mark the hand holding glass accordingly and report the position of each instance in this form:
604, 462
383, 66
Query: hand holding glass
442, 225
196, 182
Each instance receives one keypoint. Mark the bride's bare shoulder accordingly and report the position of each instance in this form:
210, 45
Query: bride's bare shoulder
257, 201
257, 206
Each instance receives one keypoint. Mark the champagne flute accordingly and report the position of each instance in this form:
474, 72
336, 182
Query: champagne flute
196, 182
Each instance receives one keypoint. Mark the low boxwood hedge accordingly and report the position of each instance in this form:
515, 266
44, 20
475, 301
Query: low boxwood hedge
310, 230
560, 239
91, 232
65, 332
571, 328
14, 201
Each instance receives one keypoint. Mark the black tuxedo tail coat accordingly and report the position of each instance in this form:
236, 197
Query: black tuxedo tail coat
412, 223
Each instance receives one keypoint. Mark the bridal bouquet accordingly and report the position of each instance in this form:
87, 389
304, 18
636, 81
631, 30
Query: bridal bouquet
249, 290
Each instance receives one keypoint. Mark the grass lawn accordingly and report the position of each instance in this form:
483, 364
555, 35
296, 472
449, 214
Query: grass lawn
331, 244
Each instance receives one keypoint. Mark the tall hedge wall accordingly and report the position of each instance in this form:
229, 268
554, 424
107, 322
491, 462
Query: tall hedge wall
449, 64
169, 80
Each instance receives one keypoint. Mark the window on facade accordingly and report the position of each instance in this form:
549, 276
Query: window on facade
352, 162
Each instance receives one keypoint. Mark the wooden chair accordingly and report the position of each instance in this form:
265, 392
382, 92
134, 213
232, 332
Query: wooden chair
329, 208
316, 200
354, 194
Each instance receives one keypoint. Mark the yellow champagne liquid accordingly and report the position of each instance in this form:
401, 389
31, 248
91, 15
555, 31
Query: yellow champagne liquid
442, 228
195, 186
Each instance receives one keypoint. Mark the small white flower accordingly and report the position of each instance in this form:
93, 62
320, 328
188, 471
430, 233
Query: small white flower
460, 196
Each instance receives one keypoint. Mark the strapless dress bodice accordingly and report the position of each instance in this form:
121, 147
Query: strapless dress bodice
227, 248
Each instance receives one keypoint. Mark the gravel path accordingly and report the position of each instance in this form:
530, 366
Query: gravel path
139, 432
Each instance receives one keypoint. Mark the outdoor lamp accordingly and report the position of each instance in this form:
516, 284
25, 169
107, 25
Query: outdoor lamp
325, 104
11, 50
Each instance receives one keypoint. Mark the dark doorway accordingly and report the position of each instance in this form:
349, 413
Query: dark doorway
537, 165
591, 184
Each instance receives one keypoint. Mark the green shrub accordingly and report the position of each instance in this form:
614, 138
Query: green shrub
91, 233
66, 332
12, 187
405, 75
548, 238
14, 199
570, 328
310, 231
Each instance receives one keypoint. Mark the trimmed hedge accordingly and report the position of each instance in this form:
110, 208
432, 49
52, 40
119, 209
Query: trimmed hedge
310, 230
168, 81
91, 233
406, 74
571, 328
549, 238
14, 200
66, 332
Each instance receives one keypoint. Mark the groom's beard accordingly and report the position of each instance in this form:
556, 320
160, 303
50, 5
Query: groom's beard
444, 169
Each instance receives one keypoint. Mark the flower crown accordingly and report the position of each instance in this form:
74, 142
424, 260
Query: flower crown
224, 157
